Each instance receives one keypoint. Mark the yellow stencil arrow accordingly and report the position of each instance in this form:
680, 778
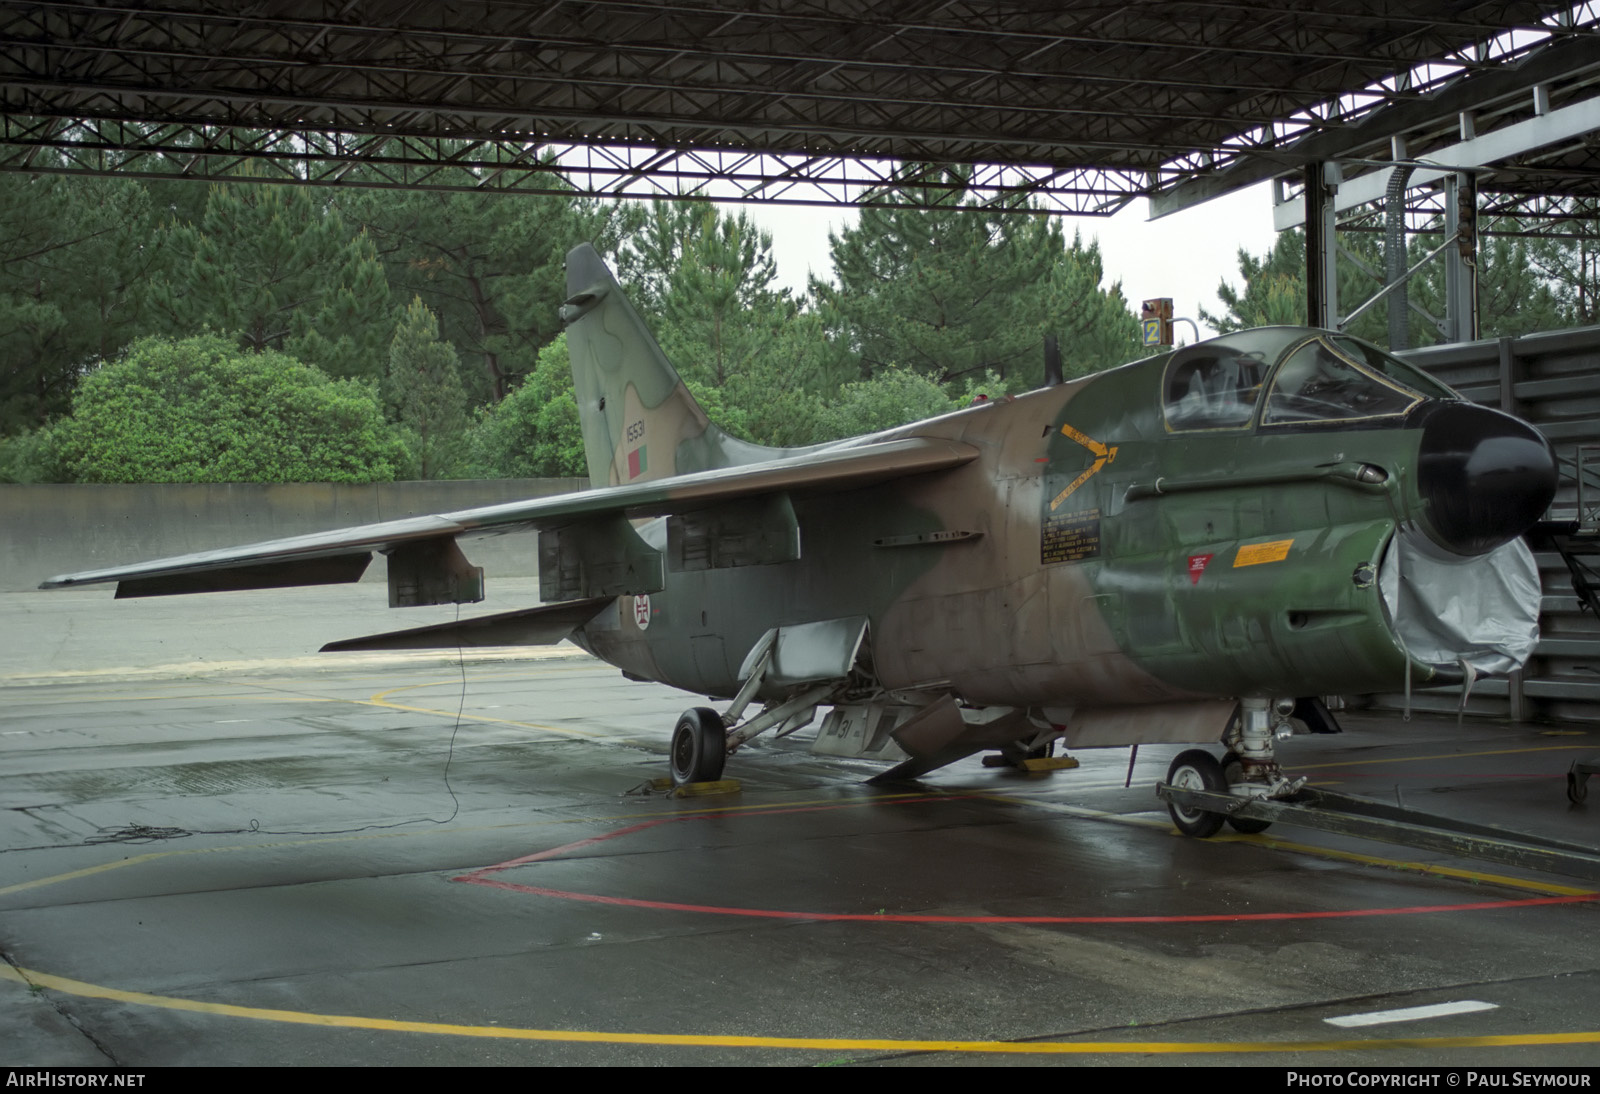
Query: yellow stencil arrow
1103, 454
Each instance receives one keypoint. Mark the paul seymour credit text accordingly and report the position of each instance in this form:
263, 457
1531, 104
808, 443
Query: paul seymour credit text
1464, 1078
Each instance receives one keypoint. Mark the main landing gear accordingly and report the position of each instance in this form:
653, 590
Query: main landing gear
699, 747
703, 738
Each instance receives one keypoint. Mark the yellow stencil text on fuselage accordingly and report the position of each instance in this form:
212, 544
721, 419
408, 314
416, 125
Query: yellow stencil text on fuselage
1254, 554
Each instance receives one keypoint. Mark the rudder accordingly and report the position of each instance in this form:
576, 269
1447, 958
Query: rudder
639, 420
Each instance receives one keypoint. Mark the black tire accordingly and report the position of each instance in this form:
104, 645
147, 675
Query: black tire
1196, 769
1577, 788
1233, 772
699, 747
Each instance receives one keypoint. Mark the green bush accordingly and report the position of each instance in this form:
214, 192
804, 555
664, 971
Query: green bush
533, 432
203, 410
31, 457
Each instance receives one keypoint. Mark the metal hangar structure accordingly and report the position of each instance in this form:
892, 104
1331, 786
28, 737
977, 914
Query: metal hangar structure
1469, 116
1078, 108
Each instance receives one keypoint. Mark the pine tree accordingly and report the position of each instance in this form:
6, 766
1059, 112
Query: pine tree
710, 278
278, 269
488, 265
423, 389
76, 257
956, 291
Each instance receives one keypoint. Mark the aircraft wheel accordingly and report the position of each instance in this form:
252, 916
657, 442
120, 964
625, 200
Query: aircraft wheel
1196, 769
699, 747
1233, 772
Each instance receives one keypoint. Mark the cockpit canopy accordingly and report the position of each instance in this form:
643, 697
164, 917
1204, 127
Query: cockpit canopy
1293, 377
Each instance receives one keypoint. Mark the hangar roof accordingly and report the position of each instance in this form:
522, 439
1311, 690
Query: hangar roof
1081, 105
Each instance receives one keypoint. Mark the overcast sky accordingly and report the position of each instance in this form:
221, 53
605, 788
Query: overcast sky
1183, 256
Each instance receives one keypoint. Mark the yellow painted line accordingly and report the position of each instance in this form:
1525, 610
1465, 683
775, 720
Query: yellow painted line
82, 989
378, 700
87, 871
1477, 876
1148, 821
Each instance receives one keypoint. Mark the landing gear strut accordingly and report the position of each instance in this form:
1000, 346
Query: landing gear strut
1248, 770
1233, 773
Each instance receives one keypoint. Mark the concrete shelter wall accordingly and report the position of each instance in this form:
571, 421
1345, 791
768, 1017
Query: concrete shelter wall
50, 529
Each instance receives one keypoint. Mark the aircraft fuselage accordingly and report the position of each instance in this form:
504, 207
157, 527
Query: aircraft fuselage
1124, 540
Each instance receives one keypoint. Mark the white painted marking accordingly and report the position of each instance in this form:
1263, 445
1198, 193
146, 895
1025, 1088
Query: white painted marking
1410, 1014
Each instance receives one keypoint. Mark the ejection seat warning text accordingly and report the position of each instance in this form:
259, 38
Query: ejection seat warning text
1070, 537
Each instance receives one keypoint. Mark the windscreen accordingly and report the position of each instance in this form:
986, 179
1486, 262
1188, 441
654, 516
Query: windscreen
1319, 384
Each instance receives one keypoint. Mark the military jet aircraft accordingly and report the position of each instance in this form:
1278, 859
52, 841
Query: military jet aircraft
1188, 548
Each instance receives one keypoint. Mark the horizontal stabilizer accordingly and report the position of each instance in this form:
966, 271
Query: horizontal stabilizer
544, 626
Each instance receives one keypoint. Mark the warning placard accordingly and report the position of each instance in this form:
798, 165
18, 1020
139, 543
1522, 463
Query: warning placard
1254, 554
1070, 537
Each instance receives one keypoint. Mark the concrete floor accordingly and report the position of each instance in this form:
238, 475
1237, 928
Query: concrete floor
216, 848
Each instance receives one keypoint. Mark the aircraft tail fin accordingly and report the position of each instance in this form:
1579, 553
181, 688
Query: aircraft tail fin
639, 420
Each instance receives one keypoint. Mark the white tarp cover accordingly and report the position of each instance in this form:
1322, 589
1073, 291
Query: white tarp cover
1483, 610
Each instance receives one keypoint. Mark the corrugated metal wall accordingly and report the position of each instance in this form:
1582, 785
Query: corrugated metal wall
1552, 380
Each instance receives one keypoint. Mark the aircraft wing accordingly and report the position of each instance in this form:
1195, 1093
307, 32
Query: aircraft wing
591, 525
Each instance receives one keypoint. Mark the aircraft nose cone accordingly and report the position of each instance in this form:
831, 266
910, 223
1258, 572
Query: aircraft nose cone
1485, 477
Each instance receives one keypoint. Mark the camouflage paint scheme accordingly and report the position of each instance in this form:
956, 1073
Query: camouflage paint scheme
1089, 560
985, 613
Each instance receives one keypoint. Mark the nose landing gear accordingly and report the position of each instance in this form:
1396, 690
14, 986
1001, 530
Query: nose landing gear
1249, 769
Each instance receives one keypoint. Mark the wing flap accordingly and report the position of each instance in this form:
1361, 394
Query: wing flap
322, 570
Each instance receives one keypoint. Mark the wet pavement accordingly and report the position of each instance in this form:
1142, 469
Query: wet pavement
217, 848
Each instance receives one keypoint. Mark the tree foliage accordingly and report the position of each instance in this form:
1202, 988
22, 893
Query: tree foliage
202, 410
892, 397
1523, 286
276, 268
490, 266
712, 285
423, 387
1571, 265
957, 290
78, 256
534, 431
926, 307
